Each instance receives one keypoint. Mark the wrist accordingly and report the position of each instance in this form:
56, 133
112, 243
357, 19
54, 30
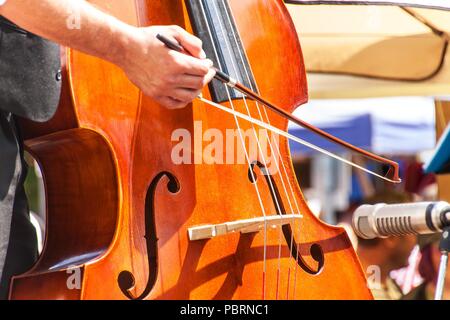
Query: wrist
124, 37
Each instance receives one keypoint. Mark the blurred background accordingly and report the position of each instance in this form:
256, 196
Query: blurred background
379, 77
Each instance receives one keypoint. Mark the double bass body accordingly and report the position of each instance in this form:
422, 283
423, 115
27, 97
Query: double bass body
119, 208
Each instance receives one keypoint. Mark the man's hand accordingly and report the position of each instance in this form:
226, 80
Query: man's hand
171, 78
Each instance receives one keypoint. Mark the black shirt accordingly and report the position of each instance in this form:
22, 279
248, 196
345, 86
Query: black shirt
30, 88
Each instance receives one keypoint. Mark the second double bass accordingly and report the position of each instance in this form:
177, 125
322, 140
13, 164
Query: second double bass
134, 224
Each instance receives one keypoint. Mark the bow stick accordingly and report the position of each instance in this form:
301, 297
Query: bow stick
393, 172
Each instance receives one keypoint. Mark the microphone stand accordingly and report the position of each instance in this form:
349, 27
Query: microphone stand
444, 247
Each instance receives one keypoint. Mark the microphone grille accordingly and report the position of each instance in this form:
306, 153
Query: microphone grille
387, 226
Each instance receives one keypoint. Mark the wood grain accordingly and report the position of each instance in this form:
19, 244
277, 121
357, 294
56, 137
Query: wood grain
138, 133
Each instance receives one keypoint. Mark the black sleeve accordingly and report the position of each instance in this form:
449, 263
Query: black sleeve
30, 81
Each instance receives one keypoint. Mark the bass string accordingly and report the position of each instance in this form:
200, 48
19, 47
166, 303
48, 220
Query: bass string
263, 210
292, 138
264, 160
278, 154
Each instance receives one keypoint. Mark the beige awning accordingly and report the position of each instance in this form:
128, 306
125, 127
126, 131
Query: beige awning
367, 51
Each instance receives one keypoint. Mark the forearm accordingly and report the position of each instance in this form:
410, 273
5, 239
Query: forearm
92, 31
169, 77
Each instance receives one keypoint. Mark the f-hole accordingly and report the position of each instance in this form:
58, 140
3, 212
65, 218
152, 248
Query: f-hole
315, 250
126, 279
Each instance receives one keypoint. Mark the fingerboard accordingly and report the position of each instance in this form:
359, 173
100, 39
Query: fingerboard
213, 23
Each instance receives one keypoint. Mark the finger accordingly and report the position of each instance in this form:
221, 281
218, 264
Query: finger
188, 41
190, 65
207, 79
192, 82
184, 95
171, 103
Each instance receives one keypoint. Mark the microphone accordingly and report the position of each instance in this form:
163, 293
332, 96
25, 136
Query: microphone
383, 220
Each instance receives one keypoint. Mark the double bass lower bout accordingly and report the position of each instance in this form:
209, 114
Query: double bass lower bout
315, 250
126, 279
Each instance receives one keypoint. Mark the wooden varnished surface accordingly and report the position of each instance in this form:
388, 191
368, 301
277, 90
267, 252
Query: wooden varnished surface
138, 132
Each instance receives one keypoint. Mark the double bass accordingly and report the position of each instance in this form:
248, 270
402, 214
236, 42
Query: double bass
124, 221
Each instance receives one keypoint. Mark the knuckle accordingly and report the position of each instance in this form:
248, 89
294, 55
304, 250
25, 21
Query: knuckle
173, 58
165, 88
175, 28
174, 94
175, 68
202, 69
178, 65
200, 83
170, 79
